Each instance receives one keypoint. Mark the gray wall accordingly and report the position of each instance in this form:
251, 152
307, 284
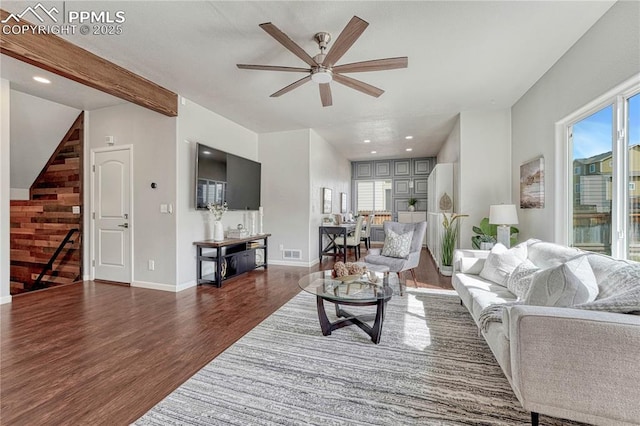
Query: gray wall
401, 172
153, 137
5, 96
607, 55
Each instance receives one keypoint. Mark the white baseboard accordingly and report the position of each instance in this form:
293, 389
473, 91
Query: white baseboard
290, 263
5, 299
155, 286
186, 285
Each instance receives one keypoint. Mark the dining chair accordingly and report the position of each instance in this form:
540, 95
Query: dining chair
354, 240
366, 233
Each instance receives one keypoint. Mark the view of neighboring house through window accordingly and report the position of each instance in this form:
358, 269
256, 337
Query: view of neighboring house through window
592, 177
605, 155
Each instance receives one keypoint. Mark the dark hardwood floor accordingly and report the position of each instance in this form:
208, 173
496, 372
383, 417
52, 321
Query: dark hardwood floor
96, 353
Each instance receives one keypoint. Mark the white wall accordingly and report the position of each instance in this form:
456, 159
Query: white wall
450, 153
607, 55
37, 127
153, 137
5, 132
197, 124
285, 192
328, 169
485, 166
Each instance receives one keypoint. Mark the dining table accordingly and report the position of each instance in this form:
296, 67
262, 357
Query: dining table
336, 245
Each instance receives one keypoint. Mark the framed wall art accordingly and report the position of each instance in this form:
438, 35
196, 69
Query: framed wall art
326, 200
532, 184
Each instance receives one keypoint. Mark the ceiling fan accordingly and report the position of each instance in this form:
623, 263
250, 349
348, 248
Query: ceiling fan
322, 68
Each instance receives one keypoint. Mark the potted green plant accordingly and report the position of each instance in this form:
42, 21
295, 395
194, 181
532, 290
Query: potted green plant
451, 226
412, 203
486, 235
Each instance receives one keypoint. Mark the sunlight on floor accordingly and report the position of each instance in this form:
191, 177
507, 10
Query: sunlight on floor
416, 332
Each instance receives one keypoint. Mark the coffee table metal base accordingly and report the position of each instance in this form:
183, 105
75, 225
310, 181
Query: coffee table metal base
350, 319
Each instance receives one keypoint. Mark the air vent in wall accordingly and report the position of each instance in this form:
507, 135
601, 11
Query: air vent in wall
292, 254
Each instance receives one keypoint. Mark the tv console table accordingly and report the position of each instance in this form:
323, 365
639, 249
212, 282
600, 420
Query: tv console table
230, 257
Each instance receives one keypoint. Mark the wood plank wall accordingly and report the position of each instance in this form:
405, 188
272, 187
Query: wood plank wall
40, 224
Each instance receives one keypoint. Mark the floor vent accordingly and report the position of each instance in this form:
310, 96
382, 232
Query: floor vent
292, 254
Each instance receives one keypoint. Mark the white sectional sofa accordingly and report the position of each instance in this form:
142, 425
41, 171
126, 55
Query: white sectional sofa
575, 364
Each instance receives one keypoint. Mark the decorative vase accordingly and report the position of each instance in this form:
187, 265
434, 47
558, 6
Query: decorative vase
447, 271
412, 208
218, 231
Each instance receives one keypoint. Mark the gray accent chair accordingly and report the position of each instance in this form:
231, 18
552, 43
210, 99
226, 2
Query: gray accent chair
395, 264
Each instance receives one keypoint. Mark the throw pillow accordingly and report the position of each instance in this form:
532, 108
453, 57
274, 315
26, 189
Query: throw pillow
520, 279
397, 245
570, 283
501, 262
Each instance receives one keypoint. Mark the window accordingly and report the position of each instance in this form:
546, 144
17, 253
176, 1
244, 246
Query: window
374, 197
603, 213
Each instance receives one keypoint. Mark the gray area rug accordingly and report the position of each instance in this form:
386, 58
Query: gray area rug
430, 368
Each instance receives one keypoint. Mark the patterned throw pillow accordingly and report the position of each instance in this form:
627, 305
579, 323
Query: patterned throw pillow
501, 262
568, 284
397, 245
520, 279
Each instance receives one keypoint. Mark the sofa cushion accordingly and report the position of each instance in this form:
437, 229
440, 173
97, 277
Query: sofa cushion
568, 284
395, 264
520, 279
545, 255
397, 245
478, 293
471, 265
501, 262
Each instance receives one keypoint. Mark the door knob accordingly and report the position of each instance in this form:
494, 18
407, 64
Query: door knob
124, 225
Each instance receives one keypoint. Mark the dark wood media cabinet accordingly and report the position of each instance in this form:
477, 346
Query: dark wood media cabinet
230, 257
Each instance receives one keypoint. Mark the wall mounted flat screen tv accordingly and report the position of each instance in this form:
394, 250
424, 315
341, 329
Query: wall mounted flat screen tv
221, 177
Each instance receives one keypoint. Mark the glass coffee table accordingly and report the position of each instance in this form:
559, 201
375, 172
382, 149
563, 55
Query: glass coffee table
354, 290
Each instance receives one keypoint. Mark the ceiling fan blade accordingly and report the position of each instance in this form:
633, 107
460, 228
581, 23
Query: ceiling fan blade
345, 40
272, 68
292, 86
358, 85
374, 65
291, 45
325, 94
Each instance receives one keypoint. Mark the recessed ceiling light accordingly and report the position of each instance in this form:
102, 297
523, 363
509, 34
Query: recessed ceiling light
409, 149
408, 137
374, 152
42, 80
367, 140
206, 152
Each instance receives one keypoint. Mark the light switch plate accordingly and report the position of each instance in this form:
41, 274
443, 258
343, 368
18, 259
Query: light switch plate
164, 208
75, 209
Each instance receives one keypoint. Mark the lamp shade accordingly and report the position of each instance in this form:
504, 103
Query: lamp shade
503, 214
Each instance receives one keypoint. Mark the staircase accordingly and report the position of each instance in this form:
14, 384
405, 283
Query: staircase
39, 225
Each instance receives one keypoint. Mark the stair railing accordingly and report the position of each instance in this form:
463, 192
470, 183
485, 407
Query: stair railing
49, 265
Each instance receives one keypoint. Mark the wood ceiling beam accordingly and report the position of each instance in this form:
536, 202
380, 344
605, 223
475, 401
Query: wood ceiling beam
56, 55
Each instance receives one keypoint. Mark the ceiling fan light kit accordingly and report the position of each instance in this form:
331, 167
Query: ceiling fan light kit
321, 67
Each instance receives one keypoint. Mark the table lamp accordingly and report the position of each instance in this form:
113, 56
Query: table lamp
503, 215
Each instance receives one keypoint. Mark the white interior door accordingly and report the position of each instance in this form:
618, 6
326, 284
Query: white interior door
112, 207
